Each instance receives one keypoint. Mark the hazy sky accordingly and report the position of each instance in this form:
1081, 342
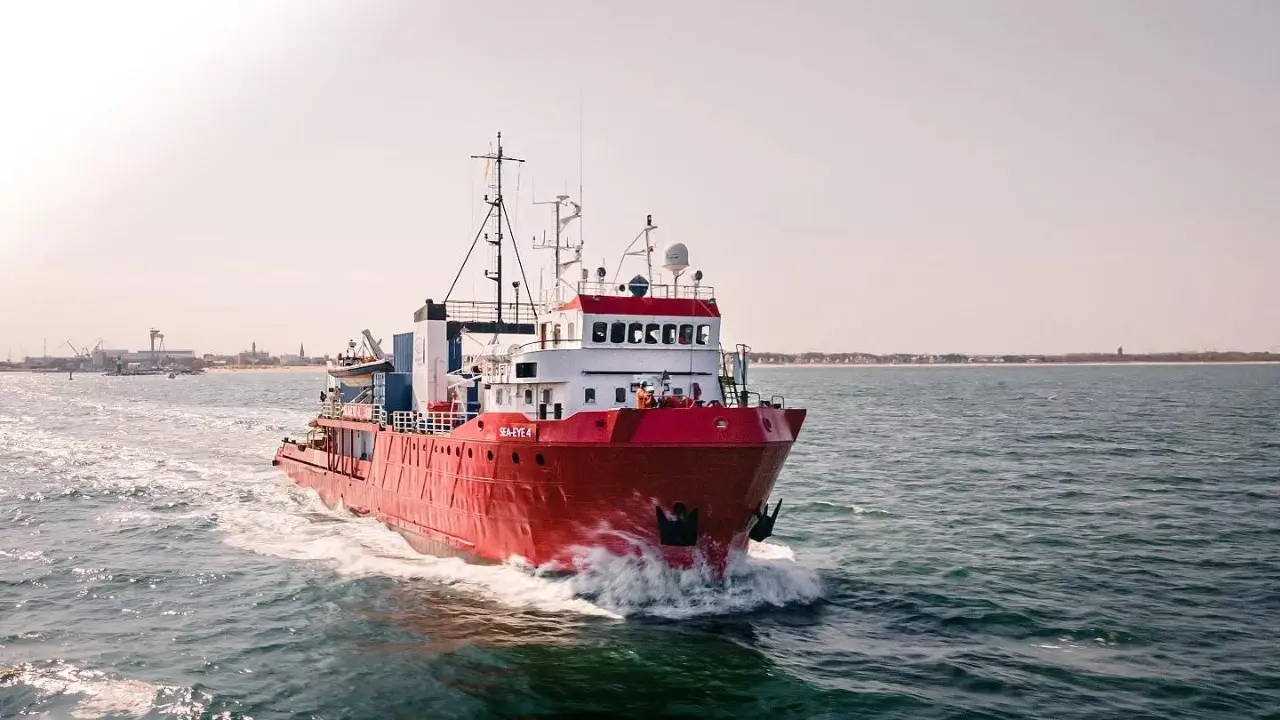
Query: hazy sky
884, 176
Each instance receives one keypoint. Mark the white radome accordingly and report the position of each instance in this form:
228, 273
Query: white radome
675, 258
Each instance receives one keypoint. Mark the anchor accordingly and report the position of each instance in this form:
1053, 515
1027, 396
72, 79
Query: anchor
763, 526
681, 529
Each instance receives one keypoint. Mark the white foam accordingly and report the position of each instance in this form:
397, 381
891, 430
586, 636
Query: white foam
607, 585
645, 585
770, 551
98, 695
358, 547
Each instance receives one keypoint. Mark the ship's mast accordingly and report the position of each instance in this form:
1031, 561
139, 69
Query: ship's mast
562, 221
647, 251
497, 210
648, 246
557, 202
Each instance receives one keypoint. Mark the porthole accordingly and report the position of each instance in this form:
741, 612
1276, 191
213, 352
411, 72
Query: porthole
480, 424
515, 458
539, 459
721, 423
490, 454
468, 452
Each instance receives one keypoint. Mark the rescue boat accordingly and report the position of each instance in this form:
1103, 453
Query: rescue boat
358, 369
603, 414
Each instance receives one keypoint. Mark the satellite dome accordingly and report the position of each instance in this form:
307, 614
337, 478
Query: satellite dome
675, 258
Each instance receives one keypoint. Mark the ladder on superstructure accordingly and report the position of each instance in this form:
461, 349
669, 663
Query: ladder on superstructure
728, 384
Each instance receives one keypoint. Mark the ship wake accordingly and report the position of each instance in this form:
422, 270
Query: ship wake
301, 528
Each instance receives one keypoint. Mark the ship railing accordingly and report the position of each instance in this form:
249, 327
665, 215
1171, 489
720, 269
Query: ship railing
429, 423
480, 311
684, 292
358, 411
403, 420
331, 408
554, 297
337, 410
443, 422
548, 344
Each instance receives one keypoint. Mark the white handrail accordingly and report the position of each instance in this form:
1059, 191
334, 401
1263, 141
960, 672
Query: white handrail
689, 291
429, 423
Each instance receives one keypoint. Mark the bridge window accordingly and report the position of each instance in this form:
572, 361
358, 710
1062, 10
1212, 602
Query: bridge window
528, 396
526, 369
651, 333
546, 397
590, 396
599, 332
618, 332
570, 336
686, 334
635, 333
668, 334
704, 334
620, 395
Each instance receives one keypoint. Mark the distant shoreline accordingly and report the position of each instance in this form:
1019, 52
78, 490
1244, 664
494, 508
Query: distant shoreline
268, 369
757, 364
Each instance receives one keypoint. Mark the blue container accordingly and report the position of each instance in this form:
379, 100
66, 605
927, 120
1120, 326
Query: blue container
402, 351
399, 392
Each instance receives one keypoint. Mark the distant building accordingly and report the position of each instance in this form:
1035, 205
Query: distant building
251, 357
108, 359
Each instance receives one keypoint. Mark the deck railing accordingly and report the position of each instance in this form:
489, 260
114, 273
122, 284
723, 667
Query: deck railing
480, 311
331, 408
688, 291
429, 423
335, 409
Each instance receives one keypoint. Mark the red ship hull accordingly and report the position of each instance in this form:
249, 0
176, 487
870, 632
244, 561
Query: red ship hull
504, 486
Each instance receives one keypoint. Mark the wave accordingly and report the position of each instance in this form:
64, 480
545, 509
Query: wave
854, 509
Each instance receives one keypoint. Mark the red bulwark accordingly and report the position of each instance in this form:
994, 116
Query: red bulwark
622, 305
502, 485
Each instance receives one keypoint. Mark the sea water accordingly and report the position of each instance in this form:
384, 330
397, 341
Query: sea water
954, 542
